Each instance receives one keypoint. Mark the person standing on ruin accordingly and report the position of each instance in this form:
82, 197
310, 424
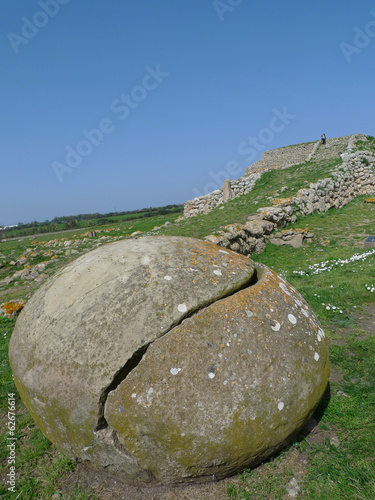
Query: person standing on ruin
323, 138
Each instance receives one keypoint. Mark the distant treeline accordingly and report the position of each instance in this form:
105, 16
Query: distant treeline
86, 220
133, 214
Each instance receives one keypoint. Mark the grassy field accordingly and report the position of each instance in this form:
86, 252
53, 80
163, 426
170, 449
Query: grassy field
87, 222
336, 275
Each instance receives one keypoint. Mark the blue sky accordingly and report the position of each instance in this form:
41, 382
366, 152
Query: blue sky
119, 105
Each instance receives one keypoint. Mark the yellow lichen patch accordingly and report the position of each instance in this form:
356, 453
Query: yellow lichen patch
370, 200
31, 254
12, 308
283, 201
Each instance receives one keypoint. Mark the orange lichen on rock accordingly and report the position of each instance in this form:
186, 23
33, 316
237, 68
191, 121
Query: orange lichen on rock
283, 201
370, 200
12, 308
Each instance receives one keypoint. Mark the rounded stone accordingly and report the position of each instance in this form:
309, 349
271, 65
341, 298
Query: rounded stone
167, 359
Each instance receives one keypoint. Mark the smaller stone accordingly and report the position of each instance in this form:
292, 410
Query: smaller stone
334, 441
293, 488
12, 308
342, 394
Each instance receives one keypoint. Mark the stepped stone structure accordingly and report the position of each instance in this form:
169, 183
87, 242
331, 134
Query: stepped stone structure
271, 160
282, 157
354, 177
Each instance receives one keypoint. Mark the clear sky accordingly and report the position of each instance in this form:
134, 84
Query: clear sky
119, 105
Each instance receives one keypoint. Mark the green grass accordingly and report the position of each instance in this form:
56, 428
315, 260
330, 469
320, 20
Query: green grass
255, 485
348, 471
342, 472
87, 223
369, 144
40, 468
265, 190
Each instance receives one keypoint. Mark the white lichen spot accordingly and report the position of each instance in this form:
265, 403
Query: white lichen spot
182, 308
223, 251
305, 313
175, 371
134, 395
249, 352
249, 313
292, 319
284, 288
168, 278
280, 406
319, 338
146, 260
275, 326
316, 356
211, 371
218, 272
321, 333
149, 396
182, 434
225, 382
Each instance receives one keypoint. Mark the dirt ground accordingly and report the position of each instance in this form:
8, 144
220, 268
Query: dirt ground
293, 461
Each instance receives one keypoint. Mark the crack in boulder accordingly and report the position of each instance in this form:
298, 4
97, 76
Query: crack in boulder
136, 358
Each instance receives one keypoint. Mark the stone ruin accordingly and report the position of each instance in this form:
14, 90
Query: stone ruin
271, 160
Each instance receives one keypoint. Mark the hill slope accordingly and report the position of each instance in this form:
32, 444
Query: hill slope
334, 272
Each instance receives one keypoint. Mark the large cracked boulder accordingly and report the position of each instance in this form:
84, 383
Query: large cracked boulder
168, 359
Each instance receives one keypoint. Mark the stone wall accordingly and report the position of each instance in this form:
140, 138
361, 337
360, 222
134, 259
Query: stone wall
271, 160
354, 177
282, 157
230, 189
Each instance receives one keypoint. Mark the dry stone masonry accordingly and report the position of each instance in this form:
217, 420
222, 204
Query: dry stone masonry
271, 160
282, 157
231, 189
354, 177
166, 360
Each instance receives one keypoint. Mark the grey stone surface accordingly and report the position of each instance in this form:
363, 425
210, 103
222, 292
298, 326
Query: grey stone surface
227, 191
275, 159
355, 176
168, 359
